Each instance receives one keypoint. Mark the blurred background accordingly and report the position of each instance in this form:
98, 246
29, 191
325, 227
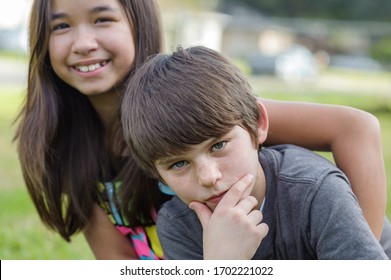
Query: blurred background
336, 52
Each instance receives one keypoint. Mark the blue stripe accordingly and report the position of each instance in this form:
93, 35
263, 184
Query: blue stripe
110, 193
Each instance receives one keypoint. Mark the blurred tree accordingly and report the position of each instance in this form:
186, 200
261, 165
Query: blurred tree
382, 50
378, 10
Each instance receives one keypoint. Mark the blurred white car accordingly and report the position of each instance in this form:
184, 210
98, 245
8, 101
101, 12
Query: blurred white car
296, 64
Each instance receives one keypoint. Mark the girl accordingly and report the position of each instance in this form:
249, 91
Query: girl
70, 141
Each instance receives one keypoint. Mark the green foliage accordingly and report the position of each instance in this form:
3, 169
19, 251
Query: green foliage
381, 51
243, 66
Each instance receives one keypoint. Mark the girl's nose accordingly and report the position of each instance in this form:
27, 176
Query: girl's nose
84, 41
208, 173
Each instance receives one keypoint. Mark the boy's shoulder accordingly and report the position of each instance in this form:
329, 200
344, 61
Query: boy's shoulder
298, 163
288, 153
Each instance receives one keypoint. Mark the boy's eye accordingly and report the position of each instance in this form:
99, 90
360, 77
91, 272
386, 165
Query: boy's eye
179, 164
219, 146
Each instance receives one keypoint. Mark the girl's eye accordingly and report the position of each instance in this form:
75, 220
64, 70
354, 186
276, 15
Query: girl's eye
219, 146
179, 164
60, 26
102, 20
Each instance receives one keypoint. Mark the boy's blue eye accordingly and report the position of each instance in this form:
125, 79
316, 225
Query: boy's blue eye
179, 164
219, 146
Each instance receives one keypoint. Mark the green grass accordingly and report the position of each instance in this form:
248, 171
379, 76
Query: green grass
22, 235
13, 55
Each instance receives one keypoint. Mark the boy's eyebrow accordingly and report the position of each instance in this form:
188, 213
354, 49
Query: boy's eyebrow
94, 10
166, 160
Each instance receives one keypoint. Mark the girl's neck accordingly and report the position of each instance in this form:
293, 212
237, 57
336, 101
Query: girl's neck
107, 105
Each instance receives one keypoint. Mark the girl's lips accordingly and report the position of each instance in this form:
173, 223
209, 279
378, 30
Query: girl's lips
91, 70
90, 66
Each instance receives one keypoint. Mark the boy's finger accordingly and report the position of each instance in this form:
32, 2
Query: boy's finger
203, 212
235, 193
247, 204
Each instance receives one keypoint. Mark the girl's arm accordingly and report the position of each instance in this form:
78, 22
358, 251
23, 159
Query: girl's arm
352, 135
104, 239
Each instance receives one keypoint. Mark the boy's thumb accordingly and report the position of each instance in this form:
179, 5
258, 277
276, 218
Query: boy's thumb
202, 211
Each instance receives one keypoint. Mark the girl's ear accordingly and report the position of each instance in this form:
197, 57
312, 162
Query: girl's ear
263, 123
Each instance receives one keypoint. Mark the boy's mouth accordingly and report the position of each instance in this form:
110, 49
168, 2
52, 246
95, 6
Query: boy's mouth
216, 198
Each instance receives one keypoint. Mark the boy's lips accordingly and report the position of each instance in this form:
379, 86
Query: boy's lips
216, 198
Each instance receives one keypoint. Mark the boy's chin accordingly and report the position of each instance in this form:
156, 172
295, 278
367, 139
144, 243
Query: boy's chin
210, 206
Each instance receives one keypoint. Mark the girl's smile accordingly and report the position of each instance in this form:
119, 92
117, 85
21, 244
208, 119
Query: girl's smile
90, 66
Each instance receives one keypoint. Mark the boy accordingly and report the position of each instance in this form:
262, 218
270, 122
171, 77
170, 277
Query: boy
192, 122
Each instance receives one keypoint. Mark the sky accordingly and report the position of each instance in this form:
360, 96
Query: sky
14, 13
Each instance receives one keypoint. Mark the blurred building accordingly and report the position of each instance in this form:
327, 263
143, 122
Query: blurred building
13, 24
265, 42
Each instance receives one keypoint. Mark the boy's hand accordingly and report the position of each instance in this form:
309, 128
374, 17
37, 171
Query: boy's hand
234, 230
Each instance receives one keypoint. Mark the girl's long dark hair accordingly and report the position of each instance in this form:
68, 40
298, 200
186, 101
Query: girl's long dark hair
63, 146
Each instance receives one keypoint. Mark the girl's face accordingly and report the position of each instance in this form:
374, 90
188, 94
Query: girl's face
91, 45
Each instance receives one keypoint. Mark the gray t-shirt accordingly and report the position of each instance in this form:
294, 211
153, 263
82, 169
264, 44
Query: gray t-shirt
309, 207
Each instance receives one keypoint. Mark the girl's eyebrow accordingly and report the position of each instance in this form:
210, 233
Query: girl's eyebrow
99, 9
58, 16
94, 10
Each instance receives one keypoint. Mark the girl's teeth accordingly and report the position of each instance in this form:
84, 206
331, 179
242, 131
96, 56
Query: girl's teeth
88, 68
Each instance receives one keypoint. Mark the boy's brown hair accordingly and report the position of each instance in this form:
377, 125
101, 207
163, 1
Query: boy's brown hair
183, 99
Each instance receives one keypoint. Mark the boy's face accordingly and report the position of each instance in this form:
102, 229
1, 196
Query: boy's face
209, 169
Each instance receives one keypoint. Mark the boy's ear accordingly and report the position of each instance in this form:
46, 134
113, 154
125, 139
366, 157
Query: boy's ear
263, 123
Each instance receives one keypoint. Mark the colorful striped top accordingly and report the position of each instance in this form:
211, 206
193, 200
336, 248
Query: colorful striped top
144, 239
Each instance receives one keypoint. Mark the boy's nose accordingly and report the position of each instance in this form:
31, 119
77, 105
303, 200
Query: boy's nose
208, 173
84, 41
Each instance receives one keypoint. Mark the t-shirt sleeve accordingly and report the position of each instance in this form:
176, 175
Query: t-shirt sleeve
337, 228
